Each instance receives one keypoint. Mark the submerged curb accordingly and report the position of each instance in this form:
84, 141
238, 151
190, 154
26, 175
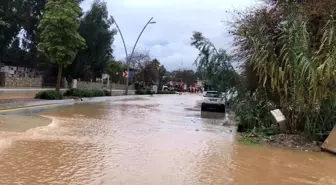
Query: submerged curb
36, 107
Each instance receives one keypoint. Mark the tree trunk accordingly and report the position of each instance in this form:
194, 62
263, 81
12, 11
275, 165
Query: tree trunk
59, 77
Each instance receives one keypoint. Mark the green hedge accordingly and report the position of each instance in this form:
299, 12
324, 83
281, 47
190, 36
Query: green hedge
148, 91
144, 92
166, 92
86, 93
107, 93
49, 95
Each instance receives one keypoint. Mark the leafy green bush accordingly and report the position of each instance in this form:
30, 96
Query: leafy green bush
74, 92
144, 92
107, 93
253, 112
140, 92
49, 95
96, 92
166, 92
86, 93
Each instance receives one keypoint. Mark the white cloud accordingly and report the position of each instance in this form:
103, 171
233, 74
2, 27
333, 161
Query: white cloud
169, 39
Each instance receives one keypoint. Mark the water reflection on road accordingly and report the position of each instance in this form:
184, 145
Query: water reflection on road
153, 140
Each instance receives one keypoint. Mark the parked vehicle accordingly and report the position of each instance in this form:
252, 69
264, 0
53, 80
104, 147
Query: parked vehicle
168, 88
213, 100
165, 88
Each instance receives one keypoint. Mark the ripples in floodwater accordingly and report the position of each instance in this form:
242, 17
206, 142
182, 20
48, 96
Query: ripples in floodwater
154, 140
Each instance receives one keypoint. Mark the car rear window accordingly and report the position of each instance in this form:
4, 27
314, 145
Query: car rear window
212, 94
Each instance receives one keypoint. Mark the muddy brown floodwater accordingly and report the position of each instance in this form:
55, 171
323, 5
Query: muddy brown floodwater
159, 140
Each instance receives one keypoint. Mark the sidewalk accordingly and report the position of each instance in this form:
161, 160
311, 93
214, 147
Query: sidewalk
40, 105
4, 89
7, 94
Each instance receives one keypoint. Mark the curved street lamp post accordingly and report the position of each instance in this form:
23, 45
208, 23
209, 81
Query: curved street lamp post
129, 59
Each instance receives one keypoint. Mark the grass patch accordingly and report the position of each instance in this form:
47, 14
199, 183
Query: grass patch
49, 95
257, 136
248, 141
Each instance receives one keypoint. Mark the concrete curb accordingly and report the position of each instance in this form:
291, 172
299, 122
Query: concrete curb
36, 107
33, 103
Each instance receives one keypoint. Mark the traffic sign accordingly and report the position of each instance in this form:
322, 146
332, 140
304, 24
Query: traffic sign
125, 74
131, 74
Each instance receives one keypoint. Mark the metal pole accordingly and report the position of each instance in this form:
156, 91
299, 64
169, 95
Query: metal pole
122, 37
123, 40
130, 59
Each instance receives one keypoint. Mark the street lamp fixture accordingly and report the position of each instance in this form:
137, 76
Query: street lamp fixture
129, 59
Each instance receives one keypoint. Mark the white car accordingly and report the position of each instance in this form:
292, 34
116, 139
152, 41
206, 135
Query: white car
213, 100
165, 88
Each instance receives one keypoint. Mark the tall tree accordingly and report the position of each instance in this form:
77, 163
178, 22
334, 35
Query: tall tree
162, 75
187, 76
115, 70
59, 38
288, 52
139, 59
10, 24
151, 71
214, 63
95, 29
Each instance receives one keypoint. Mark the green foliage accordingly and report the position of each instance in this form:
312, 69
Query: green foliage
253, 112
166, 92
59, 38
49, 95
288, 55
115, 69
10, 24
95, 29
107, 93
144, 92
215, 64
149, 70
248, 141
3, 24
86, 93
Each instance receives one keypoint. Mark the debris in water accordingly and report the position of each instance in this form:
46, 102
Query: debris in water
329, 144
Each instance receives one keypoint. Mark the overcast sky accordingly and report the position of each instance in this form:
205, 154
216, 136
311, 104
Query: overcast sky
169, 39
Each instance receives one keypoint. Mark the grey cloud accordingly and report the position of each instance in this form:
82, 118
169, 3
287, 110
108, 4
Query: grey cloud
169, 39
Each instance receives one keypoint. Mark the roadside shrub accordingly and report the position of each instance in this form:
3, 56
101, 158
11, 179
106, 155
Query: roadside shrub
253, 112
96, 92
144, 92
141, 92
85, 93
49, 95
166, 92
107, 93
74, 92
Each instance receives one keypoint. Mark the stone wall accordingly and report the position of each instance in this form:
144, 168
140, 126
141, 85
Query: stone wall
122, 86
89, 85
21, 82
99, 85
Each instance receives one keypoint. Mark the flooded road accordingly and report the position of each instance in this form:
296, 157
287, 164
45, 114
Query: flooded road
149, 141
